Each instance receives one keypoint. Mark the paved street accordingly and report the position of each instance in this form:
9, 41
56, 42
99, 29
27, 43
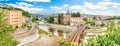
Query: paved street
43, 26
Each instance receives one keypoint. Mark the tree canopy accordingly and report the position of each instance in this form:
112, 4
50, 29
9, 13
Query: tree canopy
5, 33
51, 19
111, 38
60, 18
76, 14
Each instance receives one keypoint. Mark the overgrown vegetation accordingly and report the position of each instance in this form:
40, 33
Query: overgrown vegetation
63, 43
35, 18
114, 18
5, 33
42, 32
109, 39
90, 23
25, 13
27, 25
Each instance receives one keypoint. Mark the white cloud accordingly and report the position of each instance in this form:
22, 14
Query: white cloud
100, 5
108, 3
88, 5
29, 9
104, 3
115, 6
56, 7
101, 8
106, 13
62, 11
76, 7
114, 3
24, 4
106, 0
38, 0
65, 5
94, 7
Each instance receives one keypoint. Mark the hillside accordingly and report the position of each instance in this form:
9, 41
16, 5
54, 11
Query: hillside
4, 7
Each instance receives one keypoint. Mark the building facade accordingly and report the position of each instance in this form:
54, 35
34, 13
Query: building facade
55, 19
15, 18
73, 21
76, 21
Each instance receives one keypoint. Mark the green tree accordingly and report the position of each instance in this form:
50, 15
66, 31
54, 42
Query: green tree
33, 19
2, 20
51, 19
73, 14
78, 14
59, 19
85, 19
37, 18
111, 38
16, 27
5, 32
94, 18
25, 13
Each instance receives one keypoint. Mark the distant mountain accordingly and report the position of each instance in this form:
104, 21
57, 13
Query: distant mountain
39, 15
91, 15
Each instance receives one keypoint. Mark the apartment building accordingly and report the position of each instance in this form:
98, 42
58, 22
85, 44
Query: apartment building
15, 18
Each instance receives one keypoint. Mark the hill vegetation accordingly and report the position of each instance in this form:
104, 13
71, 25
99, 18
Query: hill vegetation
5, 33
24, 13
111, 38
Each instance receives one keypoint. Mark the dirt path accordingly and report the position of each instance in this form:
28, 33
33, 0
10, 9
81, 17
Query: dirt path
44, 41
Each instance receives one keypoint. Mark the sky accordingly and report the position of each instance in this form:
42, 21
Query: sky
96, 7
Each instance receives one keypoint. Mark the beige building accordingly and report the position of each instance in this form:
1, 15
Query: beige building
74, 21
15, 18
66, 18
77, 21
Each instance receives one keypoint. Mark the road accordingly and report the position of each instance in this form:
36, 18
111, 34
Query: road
43, 26
26, 36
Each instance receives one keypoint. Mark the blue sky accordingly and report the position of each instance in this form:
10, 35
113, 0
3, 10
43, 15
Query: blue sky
97, 7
